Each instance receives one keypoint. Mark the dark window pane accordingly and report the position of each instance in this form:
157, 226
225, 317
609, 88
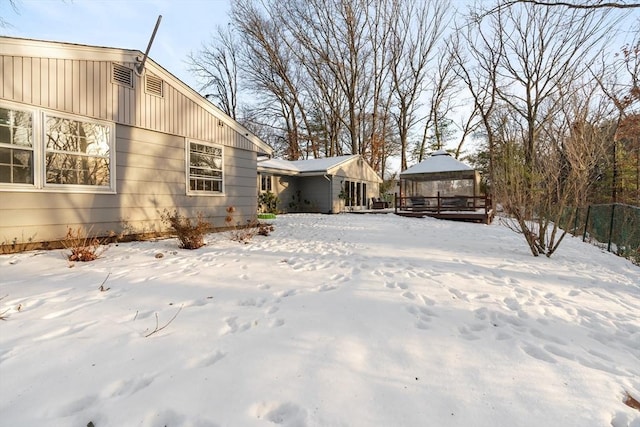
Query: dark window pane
16, 165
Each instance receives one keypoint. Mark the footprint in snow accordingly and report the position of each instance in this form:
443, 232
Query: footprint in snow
326, 287
538, 353
467, 334
128, 387
232, 326
206, 360
286, 414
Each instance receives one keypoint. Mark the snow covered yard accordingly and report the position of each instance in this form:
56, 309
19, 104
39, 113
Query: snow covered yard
342, 320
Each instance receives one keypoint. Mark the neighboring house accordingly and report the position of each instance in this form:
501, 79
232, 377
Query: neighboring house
328, 185
87, 139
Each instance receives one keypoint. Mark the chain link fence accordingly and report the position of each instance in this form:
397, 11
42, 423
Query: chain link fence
615, 227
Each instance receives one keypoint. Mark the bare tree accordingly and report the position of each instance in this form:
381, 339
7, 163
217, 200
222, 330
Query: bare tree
414, 47
477, 68
442, 88
3, 22
620, 82
216, 68
272, 70
540, 53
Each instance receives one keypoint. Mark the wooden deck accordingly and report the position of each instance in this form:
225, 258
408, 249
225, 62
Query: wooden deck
456, 208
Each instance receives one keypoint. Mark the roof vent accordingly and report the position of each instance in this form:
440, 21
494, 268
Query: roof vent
122, 75
153, 85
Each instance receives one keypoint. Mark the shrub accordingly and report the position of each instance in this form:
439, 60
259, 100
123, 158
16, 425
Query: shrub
268, 202
190, 234
264, 229
82, 246
244, 233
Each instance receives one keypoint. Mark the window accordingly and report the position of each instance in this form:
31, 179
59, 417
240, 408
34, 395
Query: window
265, 182
355, 193
45, 151
16, 146
77, 152
364, 194
204, 168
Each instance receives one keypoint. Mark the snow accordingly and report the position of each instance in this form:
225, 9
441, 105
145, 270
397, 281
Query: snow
439, 161
307, 165
333, 320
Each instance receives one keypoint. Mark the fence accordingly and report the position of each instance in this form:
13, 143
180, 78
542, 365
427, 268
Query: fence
614, 226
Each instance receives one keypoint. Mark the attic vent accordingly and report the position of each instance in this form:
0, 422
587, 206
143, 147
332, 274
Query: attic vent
122, 75
153, 85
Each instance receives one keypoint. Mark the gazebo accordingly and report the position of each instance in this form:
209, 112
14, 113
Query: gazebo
443, 187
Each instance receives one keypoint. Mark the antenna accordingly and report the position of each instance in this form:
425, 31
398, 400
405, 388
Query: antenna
140, 66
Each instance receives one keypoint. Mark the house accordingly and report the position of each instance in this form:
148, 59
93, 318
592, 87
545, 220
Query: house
327, 185
90, 138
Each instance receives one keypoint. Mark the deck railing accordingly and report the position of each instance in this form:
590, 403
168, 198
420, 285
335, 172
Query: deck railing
439, 204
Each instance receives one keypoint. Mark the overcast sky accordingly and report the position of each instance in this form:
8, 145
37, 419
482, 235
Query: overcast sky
123, 24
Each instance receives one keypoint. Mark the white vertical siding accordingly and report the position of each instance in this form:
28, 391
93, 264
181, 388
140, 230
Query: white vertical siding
84, 87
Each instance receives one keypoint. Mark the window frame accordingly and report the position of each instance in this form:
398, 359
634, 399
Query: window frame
35, 155
267, 179
206, 193
78, 187
39, 132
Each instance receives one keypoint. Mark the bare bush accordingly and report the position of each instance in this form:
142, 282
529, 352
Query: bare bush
82, 245
243, 233
190, 234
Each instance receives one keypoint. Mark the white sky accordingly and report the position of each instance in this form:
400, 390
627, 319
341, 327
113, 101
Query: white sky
128, 24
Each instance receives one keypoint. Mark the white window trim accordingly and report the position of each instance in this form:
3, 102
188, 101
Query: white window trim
187, 169
269, 177
35, 132
39, 155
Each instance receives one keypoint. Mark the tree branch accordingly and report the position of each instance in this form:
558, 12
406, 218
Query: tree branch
158, 329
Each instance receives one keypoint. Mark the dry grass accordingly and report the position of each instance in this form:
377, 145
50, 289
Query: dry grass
82, 246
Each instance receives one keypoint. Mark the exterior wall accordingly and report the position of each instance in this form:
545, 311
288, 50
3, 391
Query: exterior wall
150, 143
338, 182
151, 177
85, 87
356, 170
286, 188
315, 194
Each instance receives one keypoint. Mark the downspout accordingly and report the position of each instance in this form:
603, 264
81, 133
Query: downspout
330, 179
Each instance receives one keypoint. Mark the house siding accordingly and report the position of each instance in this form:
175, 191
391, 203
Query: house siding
316, 191
286, 188
150, 178
151, 133
84, 87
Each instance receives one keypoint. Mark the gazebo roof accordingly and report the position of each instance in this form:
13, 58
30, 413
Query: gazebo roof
439, 166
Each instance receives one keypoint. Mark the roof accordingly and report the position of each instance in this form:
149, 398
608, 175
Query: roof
305, 167
438, 161
64, 50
